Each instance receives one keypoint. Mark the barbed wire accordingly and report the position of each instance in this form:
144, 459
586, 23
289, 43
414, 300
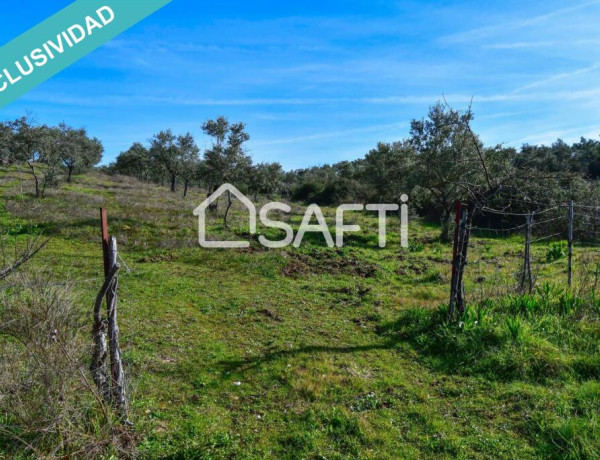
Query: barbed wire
546, 237
516, 214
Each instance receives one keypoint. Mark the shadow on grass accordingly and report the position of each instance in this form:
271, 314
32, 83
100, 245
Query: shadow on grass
483, 347
245, 365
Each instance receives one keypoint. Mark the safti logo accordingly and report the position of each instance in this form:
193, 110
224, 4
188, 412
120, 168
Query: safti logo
312, 212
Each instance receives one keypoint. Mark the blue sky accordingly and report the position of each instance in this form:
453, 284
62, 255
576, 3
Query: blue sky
323, 81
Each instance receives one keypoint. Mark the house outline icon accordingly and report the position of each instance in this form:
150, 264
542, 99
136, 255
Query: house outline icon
200, 211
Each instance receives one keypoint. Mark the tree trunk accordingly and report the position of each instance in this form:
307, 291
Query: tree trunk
185, 189
70, 174
36, 180
229, 203
445, 221
215, 205
173, 180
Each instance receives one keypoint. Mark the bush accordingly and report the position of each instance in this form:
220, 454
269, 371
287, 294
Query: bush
306, 192
48, 404
555, 252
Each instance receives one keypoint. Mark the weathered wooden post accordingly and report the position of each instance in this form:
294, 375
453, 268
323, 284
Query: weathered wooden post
526, 276
457, 218
461, 218
463, 256
105, 251
116, 366
112, 389
100, 351
570, 267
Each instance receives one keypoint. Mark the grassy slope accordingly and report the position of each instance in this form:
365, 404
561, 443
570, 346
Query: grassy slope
326, 368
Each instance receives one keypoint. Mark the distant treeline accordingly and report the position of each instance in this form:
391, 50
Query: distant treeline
50, 153
440, 162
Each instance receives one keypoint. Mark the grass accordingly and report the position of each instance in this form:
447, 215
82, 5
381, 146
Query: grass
324, 353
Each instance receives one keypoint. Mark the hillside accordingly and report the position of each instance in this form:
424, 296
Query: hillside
318, 352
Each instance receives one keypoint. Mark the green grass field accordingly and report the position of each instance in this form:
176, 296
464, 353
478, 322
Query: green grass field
318, 353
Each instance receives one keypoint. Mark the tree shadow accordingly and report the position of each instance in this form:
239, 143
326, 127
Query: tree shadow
483, 351
240, 366
408, 329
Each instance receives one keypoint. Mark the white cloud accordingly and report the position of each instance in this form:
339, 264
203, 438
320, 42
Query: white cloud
560, 76
483, 32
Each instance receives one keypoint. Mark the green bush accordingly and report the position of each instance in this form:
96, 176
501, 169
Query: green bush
415, 247
555, 252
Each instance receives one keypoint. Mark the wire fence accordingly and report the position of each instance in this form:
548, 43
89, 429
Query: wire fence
518, 252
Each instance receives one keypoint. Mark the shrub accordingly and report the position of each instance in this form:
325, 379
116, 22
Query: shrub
48, 403
415, 247
515, 328
555, 252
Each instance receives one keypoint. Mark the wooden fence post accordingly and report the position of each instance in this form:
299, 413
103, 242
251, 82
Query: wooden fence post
98, 366
463, 256
459, 238
116, 366
571, 218
526, 276
112, 389
104, 227
100, 353
457, 218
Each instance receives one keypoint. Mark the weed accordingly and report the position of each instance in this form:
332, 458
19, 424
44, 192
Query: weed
555, 252
414, 246
515, 328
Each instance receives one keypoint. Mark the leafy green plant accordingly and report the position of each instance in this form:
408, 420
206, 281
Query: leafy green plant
468, 320
483, 310
415, 247
547, 292
515, 328
555, 252
568, 303
526, 305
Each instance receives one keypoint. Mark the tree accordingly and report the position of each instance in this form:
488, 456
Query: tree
586, 158
26, 147
265, 178
163, 150
555, 158
203, 176
188, 153
386, 168
226, 160
134, 162
78, 152
446, 159
6, 144
51, 147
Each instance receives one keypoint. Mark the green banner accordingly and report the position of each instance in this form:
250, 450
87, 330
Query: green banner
63, 39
